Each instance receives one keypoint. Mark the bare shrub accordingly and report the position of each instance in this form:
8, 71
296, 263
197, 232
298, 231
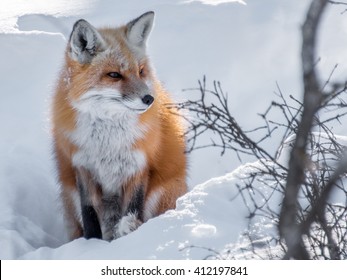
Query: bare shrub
311, 183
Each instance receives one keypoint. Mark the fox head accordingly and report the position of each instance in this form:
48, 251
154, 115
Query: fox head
108, 70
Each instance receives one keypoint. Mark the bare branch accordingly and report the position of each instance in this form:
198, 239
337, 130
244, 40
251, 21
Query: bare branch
313, 97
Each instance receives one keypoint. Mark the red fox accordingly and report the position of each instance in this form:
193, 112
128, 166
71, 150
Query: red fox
120, 150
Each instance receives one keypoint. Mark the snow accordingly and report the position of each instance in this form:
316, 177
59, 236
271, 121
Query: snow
201, 218
247, 47
12, 10
217, 2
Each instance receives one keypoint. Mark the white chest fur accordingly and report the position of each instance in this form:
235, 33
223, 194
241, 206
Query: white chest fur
106, 148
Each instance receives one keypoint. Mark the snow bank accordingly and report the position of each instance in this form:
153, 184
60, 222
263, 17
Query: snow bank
206, 223
11, 10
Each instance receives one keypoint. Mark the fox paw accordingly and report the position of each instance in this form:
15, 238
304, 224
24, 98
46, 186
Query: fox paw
126, 225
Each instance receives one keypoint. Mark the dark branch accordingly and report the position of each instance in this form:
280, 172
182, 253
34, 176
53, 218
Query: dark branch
288, 226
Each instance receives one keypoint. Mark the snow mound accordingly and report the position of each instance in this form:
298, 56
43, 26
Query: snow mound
209, 218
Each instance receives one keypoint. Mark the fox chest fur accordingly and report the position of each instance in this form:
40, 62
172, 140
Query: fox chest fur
106, 148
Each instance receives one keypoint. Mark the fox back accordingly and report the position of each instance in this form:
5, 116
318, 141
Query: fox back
120, 150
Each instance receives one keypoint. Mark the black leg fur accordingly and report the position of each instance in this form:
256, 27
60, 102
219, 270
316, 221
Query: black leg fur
136, 204
91, 225
112, 212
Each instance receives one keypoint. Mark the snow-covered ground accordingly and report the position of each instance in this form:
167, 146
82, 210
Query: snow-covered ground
247, 47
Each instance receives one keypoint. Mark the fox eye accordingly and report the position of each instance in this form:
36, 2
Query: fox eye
141, 72
115, 75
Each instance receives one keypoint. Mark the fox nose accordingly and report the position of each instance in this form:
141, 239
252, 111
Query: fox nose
148, 99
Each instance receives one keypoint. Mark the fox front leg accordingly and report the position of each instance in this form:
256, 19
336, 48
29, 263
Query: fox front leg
111, 214
90, 221
133, 217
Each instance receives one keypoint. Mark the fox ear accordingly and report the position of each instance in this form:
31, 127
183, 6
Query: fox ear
85, 42
139, 29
